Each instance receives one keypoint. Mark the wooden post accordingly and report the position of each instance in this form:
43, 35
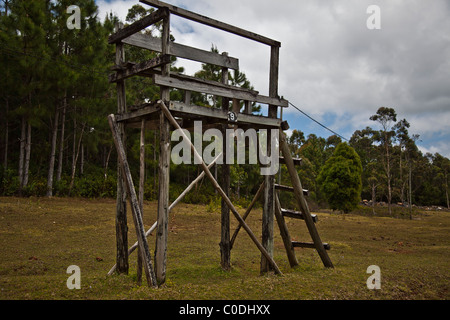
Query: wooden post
141, 193
219, 189
134, 203
269, 191
225, 247
164, 166
284, 232
121, 201
301, 201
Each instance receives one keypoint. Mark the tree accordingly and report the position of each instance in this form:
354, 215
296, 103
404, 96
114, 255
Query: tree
385, 117
340, 179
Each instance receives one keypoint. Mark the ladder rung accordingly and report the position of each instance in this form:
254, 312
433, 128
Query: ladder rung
296, 214
297, 161
289, 188
297, 244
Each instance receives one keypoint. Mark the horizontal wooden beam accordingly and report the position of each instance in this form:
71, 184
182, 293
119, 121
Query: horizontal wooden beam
311, 245
140, 67
289, 188
258, 122
297, 161
211, 22
146, 41
139, 25
217, 89
297, 215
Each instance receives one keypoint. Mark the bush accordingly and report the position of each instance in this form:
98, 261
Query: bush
340, 179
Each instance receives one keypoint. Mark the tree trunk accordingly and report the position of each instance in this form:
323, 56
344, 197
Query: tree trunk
61, 142
5, 158
27, 156
107, 162
22, 152
51, 167
74, 164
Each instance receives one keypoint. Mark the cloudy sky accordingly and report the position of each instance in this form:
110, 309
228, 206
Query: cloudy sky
331, 65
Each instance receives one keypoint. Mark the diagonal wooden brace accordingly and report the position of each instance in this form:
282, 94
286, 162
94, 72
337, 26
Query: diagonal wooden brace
219, 189
134, 203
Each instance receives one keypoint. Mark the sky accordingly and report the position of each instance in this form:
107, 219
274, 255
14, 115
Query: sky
332, 66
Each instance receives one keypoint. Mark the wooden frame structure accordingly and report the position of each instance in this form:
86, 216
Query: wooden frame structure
165, 115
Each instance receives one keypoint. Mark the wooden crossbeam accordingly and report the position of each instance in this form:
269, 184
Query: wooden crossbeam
218, 90
289, 188
146, 41
140, 67
139, 25
297, 244
297, 215
220, 190
211, 22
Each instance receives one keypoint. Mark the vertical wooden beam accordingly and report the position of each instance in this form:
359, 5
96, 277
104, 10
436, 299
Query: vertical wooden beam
164, 166
121, 204
225, 246
269, 191
134, 203
284, 232
141, 193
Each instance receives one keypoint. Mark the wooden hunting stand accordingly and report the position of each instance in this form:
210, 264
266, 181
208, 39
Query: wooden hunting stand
166, 115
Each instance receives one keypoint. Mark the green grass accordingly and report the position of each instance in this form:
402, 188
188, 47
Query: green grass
41, 237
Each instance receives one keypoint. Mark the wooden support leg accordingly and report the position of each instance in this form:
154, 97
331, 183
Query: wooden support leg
285, 234
163, 201
141, 193
225, 247
219, 189
268, 214
137, 215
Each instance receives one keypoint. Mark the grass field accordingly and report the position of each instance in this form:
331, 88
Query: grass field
41, 237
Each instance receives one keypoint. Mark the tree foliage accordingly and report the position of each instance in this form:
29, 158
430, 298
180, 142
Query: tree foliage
340, 179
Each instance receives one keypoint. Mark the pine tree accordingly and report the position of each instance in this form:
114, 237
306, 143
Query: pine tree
340, 179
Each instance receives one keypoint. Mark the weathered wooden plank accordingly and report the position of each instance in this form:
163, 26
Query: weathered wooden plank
289, 188
222, 116
220, 190
141, 112
134, 203
284, 232
302, 202
164, 170
140, 67
211, 22
121, 201
217, 89
297, 161
138, 25
297, 244
146, 41
141, 193
297, 215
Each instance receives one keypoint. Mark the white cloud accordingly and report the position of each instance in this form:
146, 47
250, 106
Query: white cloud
331, 65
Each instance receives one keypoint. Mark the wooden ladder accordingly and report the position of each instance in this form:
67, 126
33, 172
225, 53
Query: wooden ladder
304, 214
